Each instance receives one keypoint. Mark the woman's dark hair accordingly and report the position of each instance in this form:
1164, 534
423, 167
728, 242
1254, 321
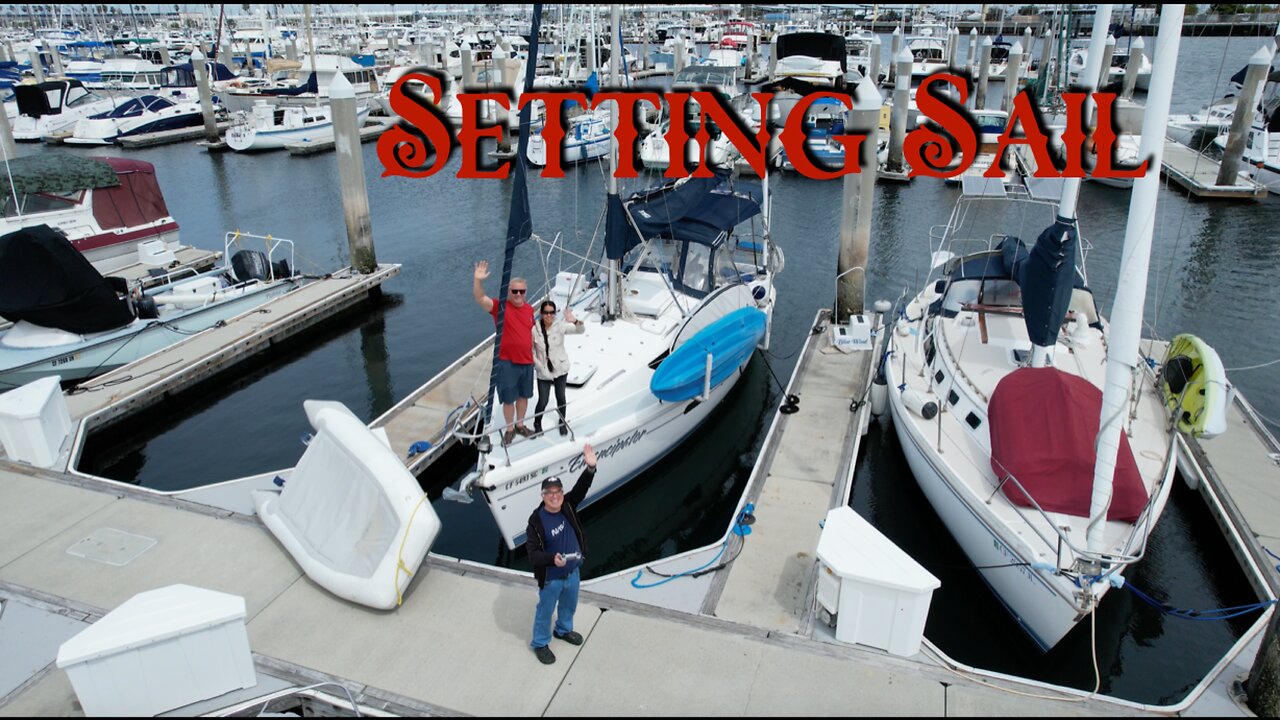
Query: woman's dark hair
546, 343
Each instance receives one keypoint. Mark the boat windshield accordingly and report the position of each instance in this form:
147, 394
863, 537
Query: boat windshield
700, 75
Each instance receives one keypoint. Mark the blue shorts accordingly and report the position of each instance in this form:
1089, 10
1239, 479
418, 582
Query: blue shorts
514, 381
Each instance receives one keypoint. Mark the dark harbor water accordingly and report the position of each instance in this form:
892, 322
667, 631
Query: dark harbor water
1213, 273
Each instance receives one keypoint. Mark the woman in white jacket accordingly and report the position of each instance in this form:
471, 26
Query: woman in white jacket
550, 361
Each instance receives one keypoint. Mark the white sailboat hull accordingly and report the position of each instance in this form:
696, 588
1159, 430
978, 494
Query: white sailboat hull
1037, 600
626, 447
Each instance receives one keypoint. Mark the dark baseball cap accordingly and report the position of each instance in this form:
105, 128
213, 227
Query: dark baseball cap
552, 482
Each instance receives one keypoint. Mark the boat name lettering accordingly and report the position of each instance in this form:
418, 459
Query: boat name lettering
424, 133
615, 447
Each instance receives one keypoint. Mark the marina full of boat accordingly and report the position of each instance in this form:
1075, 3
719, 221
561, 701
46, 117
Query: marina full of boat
1043, 427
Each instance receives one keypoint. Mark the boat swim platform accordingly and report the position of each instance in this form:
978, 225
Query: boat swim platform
458, 644
109, 398
1198, 175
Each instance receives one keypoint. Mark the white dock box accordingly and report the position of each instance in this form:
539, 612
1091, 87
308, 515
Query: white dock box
878, 595
160, 650
34, 422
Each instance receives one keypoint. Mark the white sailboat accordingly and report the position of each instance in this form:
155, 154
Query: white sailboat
1000, 404
670, 322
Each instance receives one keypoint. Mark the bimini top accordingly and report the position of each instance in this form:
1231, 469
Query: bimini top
696, 210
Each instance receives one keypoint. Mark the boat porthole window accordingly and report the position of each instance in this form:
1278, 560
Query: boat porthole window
973, 420
953, 397
939, 376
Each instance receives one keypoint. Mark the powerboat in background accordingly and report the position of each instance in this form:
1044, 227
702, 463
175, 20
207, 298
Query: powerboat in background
53, 106
136, 116
107, 207
269, 127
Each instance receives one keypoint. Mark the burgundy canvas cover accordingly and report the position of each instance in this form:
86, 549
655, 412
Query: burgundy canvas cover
136, 200
1043, 425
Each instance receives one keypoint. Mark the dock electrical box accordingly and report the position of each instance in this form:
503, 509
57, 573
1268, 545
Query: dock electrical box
876, 593
853, 335
35, 422
160, 650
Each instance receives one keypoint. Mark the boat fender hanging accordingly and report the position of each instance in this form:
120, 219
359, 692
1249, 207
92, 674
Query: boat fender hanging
919, 405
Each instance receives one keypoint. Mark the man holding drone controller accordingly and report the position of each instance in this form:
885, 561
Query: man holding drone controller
556, 546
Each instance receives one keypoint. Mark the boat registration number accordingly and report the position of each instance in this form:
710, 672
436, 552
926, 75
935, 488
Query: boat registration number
64, 359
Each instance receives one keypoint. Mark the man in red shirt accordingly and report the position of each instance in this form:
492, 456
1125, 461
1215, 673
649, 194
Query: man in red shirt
515, 355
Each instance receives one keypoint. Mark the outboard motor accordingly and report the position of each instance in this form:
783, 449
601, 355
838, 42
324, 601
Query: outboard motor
249, 265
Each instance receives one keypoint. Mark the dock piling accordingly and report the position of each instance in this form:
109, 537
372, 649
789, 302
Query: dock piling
7, 145
55, 59
901, 108
206, 97
859, 198
953, 40
873, 64
1046, 52
984, 74
1258, 66
165, 60
37, 66
355, 196
895, 48
973, 52
468, 77
1136, 51
1012, 75
1108, 52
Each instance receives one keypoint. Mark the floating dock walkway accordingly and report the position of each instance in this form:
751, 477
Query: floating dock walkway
108, 398
1198, 175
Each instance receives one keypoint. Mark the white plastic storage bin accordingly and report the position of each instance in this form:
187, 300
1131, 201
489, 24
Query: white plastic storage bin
34, 422
878, 595
160, 650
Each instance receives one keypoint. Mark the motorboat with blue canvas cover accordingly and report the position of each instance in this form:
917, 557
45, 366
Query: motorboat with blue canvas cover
136, 116
351, 515
69, 320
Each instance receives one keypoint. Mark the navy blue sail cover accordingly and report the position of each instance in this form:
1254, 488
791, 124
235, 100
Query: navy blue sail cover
698, 210
1046, 275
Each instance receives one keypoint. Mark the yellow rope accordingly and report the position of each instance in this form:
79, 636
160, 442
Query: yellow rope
400, 553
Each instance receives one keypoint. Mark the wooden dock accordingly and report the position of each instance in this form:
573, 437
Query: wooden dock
370, 131
109, 398
1199, 175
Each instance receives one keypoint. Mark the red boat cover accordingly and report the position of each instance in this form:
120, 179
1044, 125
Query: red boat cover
136, 200
1043, 425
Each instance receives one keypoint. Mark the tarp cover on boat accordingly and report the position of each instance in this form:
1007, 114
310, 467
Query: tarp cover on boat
54, 173
185, 76
136, 198
46, 281
697, 210
40, 99
1043, 424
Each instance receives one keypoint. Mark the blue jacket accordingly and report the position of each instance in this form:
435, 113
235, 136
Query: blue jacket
535, 543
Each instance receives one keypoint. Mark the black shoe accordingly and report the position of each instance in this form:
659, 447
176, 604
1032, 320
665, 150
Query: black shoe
537, 427
564, 429
570, 637
545, 656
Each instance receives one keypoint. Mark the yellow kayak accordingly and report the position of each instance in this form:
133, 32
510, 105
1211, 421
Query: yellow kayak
1194, 386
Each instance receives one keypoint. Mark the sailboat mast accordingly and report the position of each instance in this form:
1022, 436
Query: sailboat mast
1123, 339
311, 47
615, 53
